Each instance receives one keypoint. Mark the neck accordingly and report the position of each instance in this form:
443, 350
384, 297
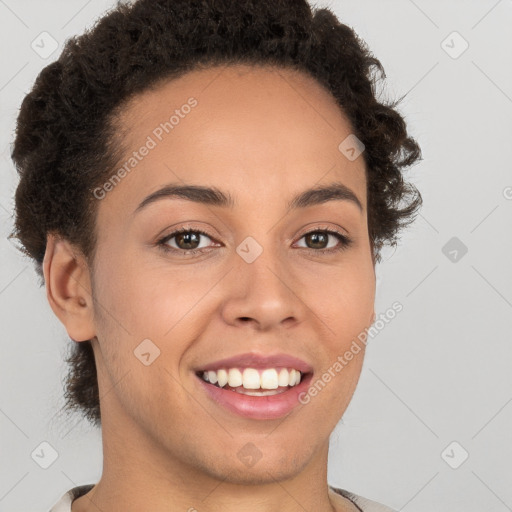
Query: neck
146, 478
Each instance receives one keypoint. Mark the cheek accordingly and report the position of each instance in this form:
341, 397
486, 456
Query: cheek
343, 297
344, 305
349, 306
140, 301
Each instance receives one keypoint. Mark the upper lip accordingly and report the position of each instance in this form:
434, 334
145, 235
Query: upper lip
255, 360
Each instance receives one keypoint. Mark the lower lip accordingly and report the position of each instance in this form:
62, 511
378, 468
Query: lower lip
258, 407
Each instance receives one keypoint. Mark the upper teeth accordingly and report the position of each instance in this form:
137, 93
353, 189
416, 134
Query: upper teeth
251, 378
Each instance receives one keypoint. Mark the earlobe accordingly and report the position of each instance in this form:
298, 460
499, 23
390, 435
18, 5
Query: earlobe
68, 287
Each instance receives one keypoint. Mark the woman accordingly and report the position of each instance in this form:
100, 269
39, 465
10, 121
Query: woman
205, 189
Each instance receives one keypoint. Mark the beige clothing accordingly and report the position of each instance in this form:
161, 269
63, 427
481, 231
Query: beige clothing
363, 504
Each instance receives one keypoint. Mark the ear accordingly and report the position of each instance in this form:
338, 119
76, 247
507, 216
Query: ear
68, 287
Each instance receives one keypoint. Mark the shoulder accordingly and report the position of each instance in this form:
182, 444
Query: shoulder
364, 504
64, 504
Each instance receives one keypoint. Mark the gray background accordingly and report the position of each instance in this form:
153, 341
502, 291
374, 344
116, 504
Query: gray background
438, 373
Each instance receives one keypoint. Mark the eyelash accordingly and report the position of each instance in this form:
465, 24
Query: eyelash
346, 242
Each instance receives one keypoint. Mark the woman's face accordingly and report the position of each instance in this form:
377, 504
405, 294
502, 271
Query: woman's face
258, 283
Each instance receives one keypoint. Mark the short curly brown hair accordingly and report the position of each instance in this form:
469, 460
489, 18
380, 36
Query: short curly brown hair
66, 143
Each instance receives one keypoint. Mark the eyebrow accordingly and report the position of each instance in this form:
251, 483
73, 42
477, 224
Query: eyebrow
215, 197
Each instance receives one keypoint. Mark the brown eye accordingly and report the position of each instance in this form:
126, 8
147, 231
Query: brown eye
184, 241
189, 240
318, 240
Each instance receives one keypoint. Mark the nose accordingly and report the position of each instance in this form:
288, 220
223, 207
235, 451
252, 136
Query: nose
263, 293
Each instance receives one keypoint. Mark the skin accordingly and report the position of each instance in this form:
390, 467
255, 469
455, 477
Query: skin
263, 135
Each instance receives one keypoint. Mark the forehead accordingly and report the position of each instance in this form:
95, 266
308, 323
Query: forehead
256, 129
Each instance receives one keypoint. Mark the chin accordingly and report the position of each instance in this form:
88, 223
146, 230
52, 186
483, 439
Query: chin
252, 466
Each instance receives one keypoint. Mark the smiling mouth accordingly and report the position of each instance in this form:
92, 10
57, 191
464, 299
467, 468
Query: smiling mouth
253, 381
